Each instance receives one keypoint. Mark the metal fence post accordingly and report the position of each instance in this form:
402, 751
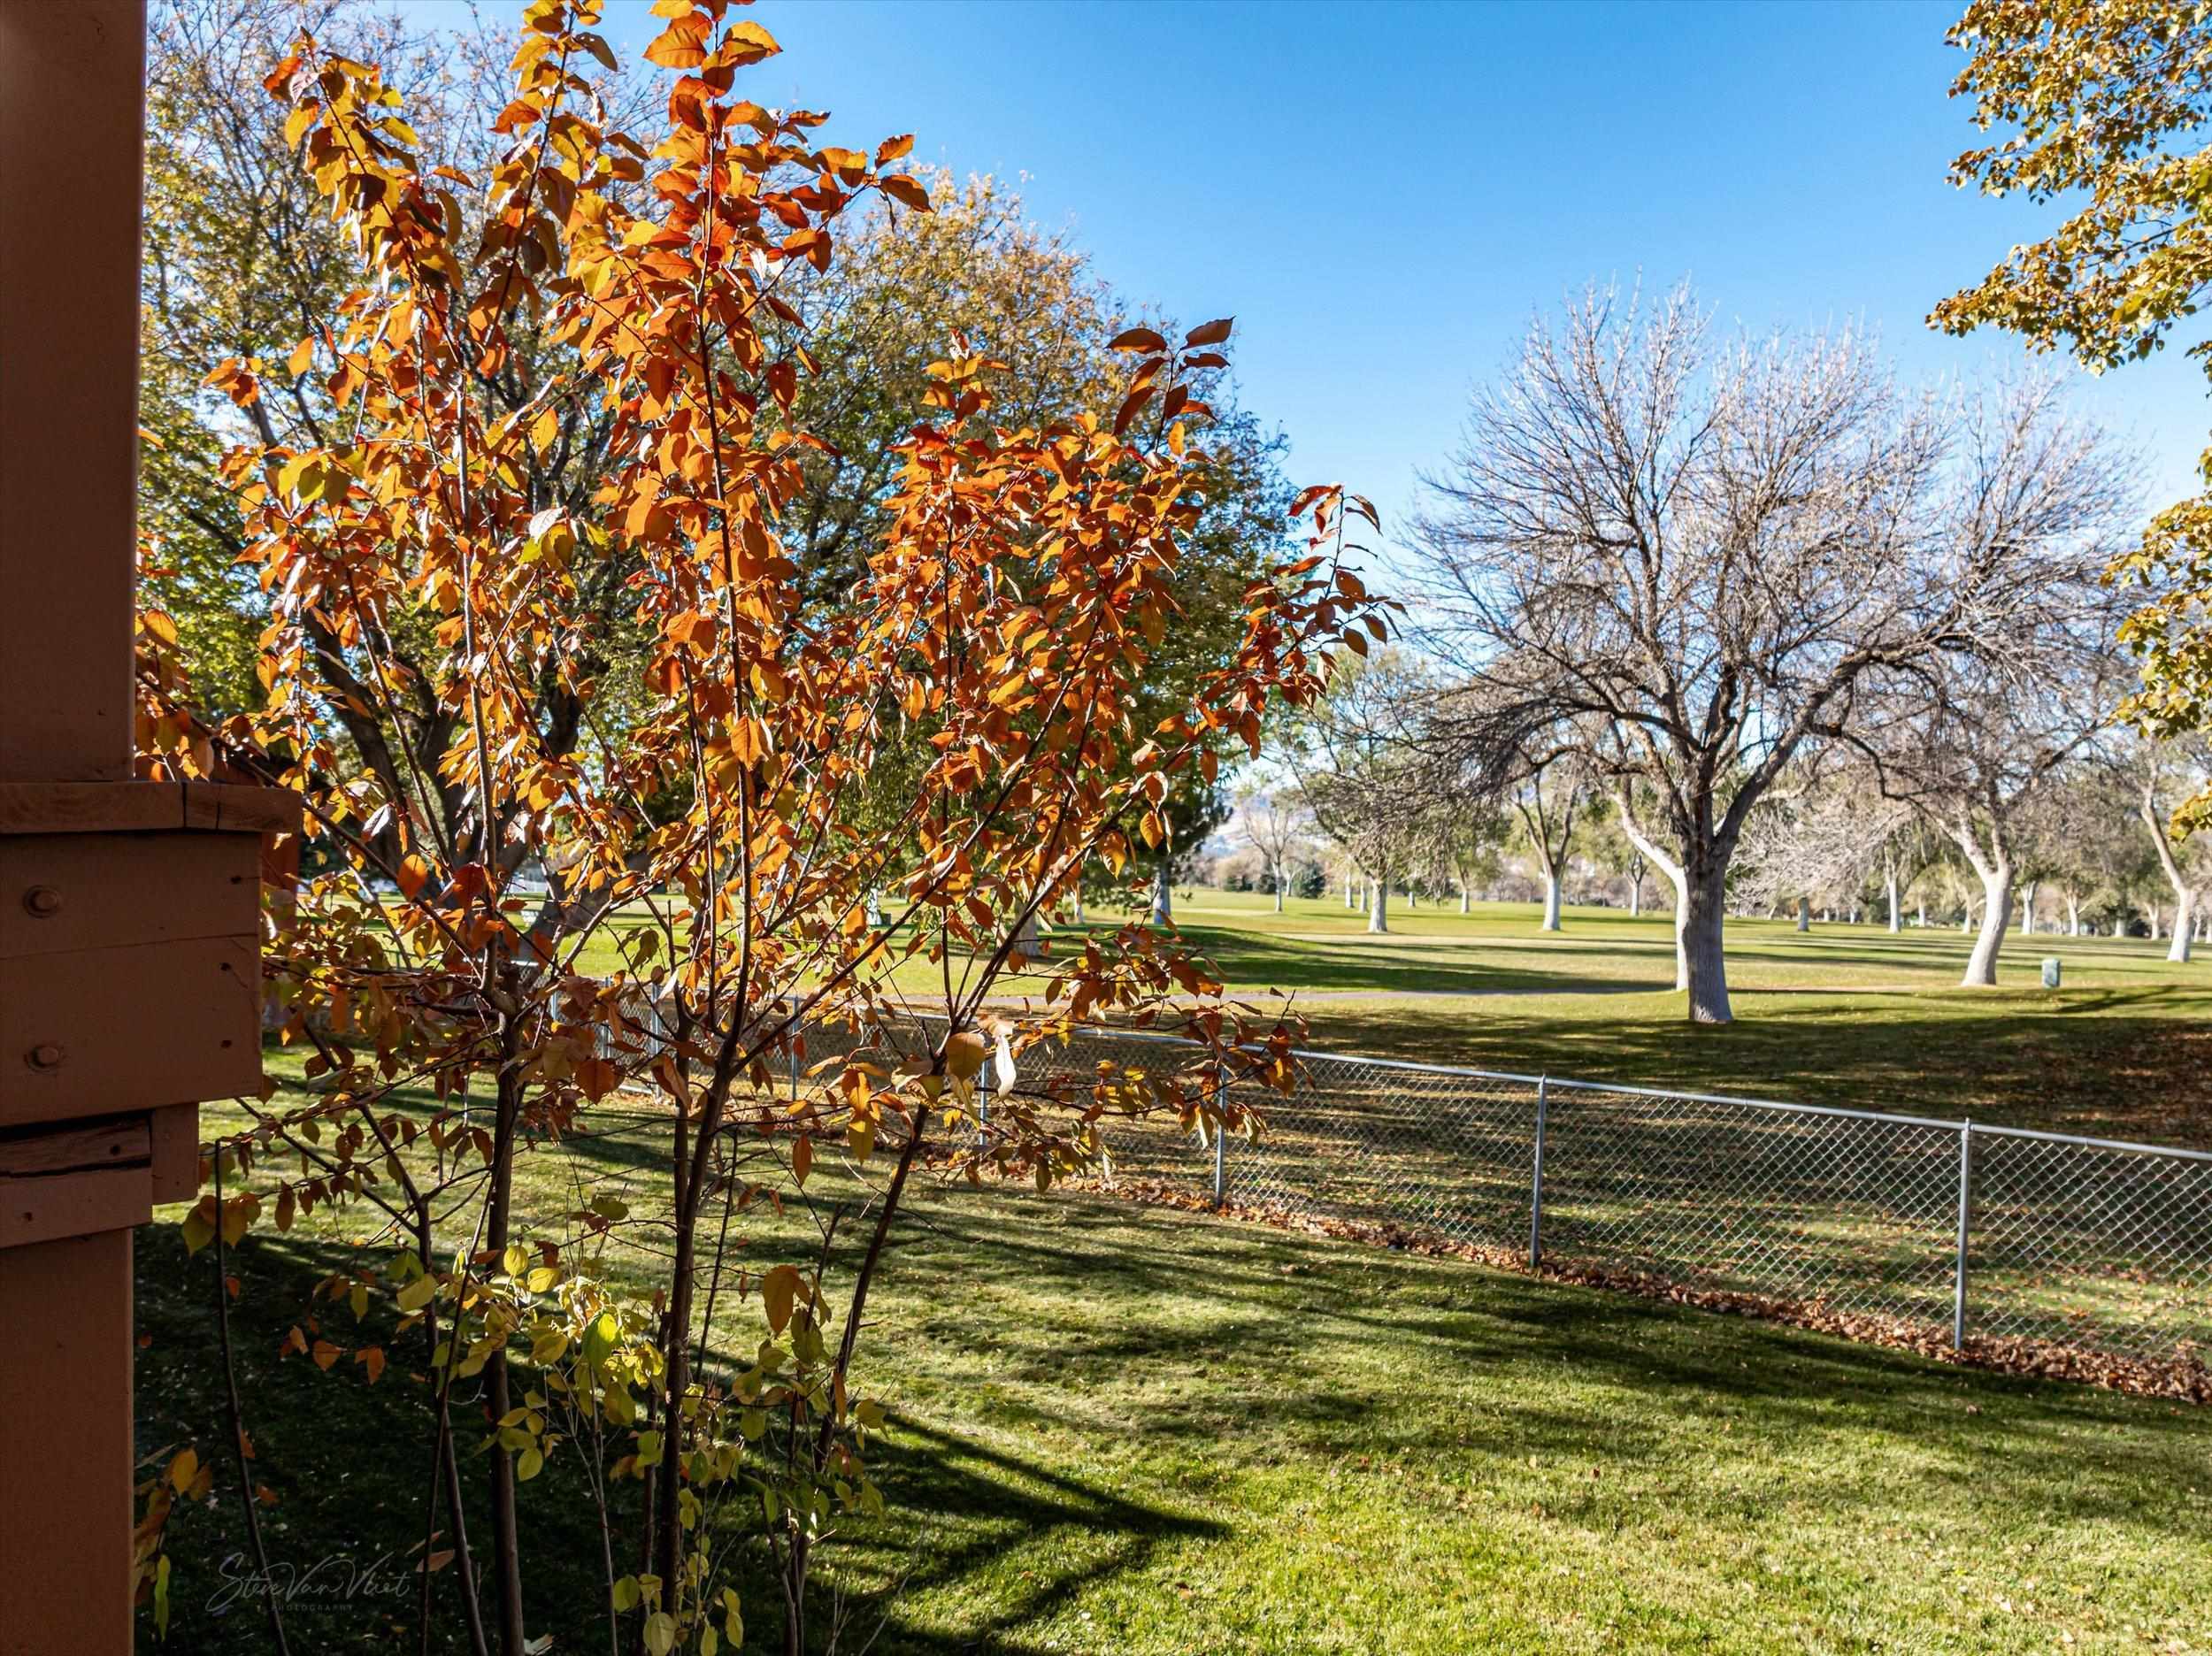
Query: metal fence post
1221, 1141
1966, 1222
1536, 1183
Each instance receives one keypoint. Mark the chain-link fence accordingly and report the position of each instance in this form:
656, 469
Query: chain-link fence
1980, 1231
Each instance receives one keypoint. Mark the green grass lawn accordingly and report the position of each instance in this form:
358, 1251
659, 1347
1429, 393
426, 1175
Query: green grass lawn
1123, 1430
1127, 1429
1844, 1015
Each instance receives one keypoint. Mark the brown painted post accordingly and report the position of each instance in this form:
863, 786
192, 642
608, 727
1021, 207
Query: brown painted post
70, 150
128, 928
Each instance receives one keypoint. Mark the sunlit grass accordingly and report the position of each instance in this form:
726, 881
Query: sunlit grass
1119, 1430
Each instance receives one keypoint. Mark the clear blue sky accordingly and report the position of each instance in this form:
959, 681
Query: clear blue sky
1383, 193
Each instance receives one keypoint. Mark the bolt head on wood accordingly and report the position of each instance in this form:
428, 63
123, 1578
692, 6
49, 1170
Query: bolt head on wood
47, 1055
42, 903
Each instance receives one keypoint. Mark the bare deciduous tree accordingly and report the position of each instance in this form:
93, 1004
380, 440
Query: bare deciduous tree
1822, 845
1359, 762
1275, 824
1703, 554
1548, 800
1971, 732
2168, 769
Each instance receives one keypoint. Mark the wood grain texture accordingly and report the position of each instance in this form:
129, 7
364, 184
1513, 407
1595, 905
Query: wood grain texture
77, 1148
48, 808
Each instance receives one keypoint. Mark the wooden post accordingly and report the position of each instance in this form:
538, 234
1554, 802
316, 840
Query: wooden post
128, 910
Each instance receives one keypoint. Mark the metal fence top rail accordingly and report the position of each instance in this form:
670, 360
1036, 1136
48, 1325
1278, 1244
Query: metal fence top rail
1954, 1124
1947, 1124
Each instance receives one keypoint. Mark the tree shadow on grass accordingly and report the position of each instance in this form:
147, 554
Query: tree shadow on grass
1270, 1328
980, 1512
347, 1462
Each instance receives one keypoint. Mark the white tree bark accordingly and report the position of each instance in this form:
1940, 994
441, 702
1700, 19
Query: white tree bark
1896, 918
1162, 896
1981, 966
1673, 869
1804, 914
2027, 908
2168, 864
1379, 907
1551, 900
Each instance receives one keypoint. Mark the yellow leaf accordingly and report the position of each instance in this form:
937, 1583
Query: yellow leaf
778, 1289
964, 1054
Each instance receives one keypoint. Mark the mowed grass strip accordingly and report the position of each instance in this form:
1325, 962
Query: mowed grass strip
1119, 1430
1848, 1016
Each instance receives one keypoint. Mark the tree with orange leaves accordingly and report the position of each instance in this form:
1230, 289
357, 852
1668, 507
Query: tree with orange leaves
1020, 588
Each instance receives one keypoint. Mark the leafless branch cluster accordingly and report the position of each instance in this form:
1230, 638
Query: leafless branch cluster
1692, 562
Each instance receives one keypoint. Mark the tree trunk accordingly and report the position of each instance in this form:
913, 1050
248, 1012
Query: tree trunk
1028, 943
1698, 931
1349, 903
1896, 916
1463, 907
1379, 907
1078, 902
2073, 915
1676, 878
1413, 895
2027, 909
506, 1559
2185, 895
1636, 894
1551, 900
1278, 893
1804, 914
1981, 966
1922, 920
1163, 897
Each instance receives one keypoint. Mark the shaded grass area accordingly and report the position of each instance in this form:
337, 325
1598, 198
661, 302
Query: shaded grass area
2127, 1063
1119, 1429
